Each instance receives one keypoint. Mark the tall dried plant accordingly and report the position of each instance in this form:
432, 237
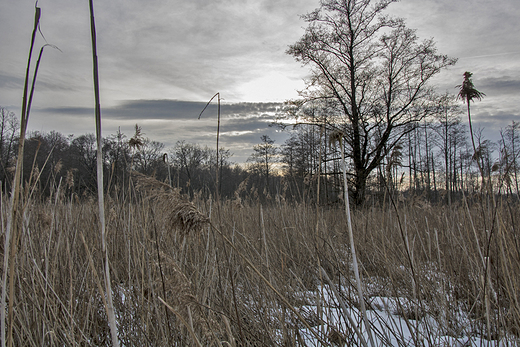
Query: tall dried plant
11, 235
109, 307
468, 93
337, 137
182, 215
217, 183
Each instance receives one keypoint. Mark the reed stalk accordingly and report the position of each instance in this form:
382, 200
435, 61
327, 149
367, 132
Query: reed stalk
11, 235
343, 307
109, 306
339, 137
270, 285
217, 182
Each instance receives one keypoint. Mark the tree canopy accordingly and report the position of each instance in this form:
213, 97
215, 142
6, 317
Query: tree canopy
369, 76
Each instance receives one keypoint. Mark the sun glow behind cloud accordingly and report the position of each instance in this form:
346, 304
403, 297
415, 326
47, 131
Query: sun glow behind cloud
272, 86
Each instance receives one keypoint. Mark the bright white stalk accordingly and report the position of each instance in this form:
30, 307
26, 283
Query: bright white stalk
352, 247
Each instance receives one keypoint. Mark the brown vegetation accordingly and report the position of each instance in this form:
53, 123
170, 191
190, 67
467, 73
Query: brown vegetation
431, 257
169, 269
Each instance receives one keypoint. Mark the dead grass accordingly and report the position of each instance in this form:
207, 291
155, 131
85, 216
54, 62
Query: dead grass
189, 266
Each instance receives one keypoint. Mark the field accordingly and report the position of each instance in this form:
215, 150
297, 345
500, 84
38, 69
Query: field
240, 273
143, 265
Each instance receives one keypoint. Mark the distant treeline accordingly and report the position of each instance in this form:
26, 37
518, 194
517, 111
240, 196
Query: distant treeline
434, 160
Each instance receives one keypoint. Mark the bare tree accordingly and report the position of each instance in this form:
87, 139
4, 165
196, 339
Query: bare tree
263, 158
9, 126
82, 152
510, 144
371, 72
118, 155
190, 159
448, 130
149, 159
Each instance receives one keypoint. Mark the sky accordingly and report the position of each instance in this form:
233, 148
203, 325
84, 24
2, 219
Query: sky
161, 61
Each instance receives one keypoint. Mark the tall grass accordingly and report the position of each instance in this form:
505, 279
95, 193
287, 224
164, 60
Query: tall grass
13, 228
59, 301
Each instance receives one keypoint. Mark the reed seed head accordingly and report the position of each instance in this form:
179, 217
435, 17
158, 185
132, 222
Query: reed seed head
181, 214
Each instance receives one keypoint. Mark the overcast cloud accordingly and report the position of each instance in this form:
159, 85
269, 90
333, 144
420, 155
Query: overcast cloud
162, 60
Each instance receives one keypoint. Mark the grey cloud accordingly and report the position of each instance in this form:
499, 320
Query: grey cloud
156, 109
501, 85
184, 110
492, 122
174, 110
10, 82
498, 119
72, 111
183, 47
248, 138
207, 46
231, 128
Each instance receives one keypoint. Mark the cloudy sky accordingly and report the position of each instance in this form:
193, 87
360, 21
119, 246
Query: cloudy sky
161, 60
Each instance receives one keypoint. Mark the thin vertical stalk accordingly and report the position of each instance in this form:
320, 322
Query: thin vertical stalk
352, 246
316, 230
154, 225
264, 239
343, 307
318, 183
217, 182
165, 159
11, 235
217, 177
477, 157
109, 306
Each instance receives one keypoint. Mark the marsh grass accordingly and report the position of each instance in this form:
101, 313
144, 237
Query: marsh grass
270, 254
17, 204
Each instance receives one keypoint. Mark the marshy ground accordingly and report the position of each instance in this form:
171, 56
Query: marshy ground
241, 273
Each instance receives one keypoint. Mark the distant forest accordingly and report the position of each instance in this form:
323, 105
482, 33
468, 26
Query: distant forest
434, 160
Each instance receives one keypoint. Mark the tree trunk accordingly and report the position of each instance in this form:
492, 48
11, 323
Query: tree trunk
360, 182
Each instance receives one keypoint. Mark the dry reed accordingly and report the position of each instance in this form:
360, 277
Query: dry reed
152, 257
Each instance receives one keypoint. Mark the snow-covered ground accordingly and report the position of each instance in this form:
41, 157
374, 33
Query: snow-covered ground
335, 319
388, 325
